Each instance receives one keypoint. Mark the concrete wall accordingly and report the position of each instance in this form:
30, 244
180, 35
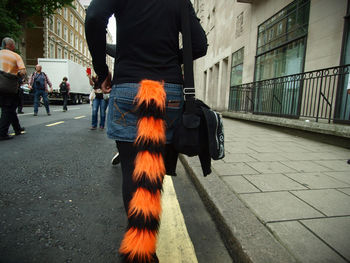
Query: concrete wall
220, 19
326, 25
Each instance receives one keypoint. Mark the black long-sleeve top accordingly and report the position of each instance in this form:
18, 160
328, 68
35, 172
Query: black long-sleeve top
147, 39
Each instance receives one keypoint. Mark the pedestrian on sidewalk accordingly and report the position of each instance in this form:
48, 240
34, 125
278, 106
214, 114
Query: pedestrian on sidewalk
99, 103
64, 90
39, 82
146, 90
10, 63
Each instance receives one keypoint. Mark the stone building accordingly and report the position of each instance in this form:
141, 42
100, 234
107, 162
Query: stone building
61, 36
254, 40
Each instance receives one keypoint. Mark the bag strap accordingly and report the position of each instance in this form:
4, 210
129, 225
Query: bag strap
189, 90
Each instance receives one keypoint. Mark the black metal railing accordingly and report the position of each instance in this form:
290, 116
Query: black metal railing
318, 94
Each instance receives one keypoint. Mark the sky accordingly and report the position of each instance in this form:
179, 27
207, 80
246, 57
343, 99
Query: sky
111, 23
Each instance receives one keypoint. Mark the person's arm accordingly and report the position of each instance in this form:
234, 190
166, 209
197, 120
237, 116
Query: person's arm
31, 81
111, 50
90, 80
20, 65
198, 36
68, 88
96, 22
48, 81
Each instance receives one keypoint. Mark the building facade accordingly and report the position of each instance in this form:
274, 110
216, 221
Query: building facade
61, 36
255, 40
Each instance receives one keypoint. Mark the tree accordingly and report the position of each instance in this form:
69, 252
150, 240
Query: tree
16, 15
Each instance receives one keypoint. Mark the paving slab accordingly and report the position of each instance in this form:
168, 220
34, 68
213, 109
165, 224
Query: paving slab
264, 149
311, 156
329, 201
238, 158
336, 165
341, 176
239, 184
271, 167
316, 180
334, 231
279, 206
273, 182
233, 169
304, 244
345, 190
305, 166
268, 157
293, 149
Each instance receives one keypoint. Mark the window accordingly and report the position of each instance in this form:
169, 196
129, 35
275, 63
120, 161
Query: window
80, 29
76, 42
71, 57
51, 22
59, 52
52, 50
65, 54
281, 41
59, 28
65, 33
237, 67
71, 21
76, 25
65, 13
80, 45
71, 39
59, 11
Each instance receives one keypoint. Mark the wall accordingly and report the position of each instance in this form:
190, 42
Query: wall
221, 21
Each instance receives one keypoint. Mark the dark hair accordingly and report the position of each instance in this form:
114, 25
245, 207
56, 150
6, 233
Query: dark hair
65, 78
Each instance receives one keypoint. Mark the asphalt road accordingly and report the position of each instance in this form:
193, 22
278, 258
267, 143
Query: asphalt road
60, 198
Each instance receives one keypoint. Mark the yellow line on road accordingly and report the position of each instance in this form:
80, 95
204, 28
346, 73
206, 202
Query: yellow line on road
174, 243
79, 117
56, 123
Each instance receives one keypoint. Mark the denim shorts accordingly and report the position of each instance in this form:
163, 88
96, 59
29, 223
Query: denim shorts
122, 120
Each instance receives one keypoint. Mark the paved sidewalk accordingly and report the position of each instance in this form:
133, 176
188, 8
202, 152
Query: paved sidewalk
279, 197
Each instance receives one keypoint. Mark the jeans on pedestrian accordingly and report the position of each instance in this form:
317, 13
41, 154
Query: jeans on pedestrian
99, 104
37, 94
9, 117
65, 100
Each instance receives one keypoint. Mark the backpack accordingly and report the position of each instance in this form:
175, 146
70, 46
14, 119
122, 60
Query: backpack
63, 87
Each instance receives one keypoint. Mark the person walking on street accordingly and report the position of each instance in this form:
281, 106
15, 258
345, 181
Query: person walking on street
39, 82
145, 103
10, 63
99, 103
64, 90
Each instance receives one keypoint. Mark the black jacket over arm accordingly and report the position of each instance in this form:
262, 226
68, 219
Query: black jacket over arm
147, 39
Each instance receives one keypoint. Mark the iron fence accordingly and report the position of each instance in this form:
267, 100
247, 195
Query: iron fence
318, 94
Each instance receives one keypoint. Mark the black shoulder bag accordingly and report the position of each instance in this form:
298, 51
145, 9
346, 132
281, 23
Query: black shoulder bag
200, 130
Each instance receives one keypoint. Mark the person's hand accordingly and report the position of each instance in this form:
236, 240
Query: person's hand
51, 89
106, 85
30, 87
348, 91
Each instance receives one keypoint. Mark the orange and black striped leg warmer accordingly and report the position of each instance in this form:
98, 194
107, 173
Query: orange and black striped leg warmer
139, 243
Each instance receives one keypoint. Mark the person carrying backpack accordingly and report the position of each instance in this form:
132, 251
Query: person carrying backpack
64, 90
39, 82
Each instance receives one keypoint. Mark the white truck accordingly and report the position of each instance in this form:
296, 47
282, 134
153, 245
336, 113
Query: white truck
56, 69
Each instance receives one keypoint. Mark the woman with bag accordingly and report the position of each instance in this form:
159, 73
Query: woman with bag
99, 103
145, 103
